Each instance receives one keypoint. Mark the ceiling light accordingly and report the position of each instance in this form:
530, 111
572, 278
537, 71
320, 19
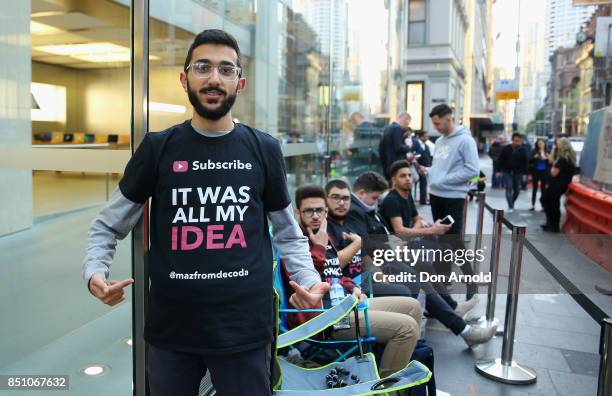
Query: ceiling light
83, 49
91, 52
110, 57
95, 370
167, 108
41, 28
46, 14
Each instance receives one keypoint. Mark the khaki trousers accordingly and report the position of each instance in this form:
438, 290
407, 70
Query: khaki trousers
394, 321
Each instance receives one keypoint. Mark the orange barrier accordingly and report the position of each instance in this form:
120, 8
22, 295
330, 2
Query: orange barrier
590, 212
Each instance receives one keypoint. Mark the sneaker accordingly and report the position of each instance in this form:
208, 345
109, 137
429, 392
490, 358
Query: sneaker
479, 335
510, 210
466, 306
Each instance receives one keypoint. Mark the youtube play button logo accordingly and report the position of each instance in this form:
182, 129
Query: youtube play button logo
180, 166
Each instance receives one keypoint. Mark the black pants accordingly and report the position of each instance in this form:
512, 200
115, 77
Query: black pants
551, 202
440, 207
423, 189
179, 374
438, 303
537, 177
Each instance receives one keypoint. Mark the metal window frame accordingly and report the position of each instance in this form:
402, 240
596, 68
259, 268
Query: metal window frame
417, 21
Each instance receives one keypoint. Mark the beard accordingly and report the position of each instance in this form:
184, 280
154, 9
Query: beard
214, 114
336, 216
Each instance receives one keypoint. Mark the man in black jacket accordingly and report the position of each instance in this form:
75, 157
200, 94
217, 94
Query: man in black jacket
513, 162
424, 159
396, 143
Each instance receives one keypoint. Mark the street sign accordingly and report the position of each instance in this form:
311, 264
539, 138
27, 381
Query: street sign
506, 90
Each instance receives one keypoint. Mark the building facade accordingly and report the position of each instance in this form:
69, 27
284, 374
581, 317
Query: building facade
433, 58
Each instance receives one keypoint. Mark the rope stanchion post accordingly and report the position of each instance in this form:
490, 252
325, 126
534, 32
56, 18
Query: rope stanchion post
489, 319
604, 385
505, 369
480, 200
465, 210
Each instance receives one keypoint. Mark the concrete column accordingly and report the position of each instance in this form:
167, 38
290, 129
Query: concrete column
15, 105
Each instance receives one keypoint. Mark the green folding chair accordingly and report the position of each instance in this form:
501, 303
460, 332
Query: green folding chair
290, 379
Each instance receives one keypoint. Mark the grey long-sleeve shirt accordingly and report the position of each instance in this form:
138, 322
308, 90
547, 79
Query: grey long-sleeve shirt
119, 215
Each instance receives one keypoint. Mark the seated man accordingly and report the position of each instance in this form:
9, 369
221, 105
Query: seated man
399, 210
393, 320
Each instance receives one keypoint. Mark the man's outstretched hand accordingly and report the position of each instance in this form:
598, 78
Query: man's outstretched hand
109, 294
304, 298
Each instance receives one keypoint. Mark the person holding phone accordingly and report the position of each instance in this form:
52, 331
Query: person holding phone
455, 163
399, 210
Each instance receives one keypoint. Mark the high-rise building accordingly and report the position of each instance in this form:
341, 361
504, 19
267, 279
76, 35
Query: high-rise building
317, 14
532, 76
563, 21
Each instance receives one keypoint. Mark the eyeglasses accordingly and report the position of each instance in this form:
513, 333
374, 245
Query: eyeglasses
205, 70
337, 198
310, 212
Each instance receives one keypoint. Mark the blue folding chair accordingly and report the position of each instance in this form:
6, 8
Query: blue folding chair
342, 348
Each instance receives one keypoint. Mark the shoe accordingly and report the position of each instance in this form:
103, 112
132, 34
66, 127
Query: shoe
552, 229
471, 290
479, 335
532, 209
466, 306
510, 210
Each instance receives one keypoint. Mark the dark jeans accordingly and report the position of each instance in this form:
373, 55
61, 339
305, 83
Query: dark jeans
513, 187
440, 207
174, 373
551, 202
537, 177
439, 305
496, 182
423, 189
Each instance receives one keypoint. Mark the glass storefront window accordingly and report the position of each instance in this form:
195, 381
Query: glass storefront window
65, 119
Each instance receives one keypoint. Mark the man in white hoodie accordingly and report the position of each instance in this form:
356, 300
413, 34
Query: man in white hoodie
455, 162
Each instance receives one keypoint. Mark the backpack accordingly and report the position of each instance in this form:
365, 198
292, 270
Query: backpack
424, 354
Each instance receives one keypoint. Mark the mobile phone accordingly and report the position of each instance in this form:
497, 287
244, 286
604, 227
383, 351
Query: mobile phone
448, 220
417, 156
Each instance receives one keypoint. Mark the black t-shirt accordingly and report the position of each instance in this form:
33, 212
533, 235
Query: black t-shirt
564, 178
210, 260
394, 205
331, 268
335, 230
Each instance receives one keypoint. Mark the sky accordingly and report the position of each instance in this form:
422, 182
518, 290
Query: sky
505, 24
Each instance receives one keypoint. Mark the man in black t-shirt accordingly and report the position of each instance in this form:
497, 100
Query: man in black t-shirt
398, 207
214, 185
399, 210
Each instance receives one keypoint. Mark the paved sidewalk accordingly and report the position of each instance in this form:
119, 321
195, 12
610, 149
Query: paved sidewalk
554, 335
